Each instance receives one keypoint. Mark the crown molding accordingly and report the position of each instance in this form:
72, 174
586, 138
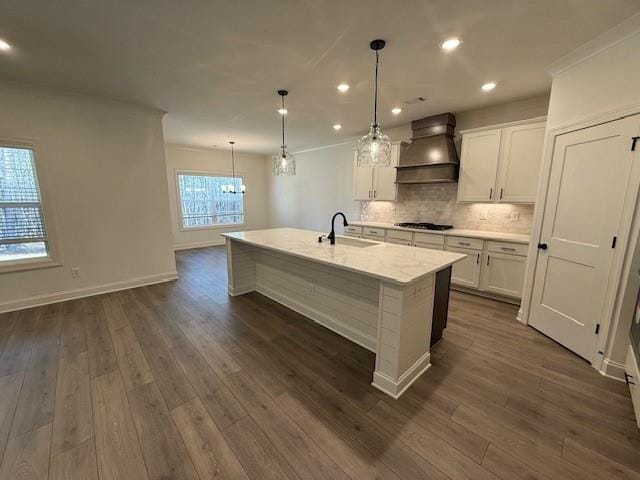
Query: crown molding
613, 36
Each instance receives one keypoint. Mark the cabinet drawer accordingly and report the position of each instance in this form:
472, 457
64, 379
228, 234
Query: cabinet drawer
398, 241
430, 246
464, 242
373, 237
373, 232
353, 229
431, 238
506, 247
399, 235
354, 235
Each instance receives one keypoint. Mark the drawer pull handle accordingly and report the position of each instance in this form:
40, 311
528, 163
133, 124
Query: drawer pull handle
464, 243
508, 249
488, 257
478, 260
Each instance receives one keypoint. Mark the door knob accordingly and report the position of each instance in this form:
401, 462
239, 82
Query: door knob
542, 246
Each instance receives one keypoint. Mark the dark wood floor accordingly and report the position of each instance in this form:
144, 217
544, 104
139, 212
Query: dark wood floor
178, 381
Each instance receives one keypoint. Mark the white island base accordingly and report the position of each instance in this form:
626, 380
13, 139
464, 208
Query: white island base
391, 319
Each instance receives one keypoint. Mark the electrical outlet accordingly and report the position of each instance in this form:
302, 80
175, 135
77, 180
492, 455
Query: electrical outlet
515, 216
483, 215
75, 272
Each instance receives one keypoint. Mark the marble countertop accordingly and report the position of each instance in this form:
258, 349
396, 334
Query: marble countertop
484, 235
394, 263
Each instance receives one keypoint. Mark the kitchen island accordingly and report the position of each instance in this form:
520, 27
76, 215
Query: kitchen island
379, 295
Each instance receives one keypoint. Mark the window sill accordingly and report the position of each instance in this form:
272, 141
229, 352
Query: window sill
11, 266
212, 227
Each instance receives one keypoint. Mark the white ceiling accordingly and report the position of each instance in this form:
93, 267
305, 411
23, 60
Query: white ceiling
215, 66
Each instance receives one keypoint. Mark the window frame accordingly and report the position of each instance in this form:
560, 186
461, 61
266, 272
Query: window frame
52, 259
208, 173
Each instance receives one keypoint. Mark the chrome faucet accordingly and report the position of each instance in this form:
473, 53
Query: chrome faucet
332, 235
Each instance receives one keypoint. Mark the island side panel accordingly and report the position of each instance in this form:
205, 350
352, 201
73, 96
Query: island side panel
345, 302
241, 268
405, 321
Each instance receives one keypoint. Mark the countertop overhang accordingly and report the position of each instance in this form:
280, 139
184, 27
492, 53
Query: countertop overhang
389, 262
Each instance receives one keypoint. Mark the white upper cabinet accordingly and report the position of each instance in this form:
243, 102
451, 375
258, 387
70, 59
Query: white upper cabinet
520, 157
376, 183
478, 166
362, 181
501, 164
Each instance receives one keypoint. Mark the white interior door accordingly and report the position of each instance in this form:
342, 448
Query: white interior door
592, 172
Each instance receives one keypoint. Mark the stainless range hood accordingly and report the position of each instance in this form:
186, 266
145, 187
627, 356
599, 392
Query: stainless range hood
431, 157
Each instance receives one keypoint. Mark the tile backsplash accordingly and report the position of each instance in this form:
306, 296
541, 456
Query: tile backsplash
437, 203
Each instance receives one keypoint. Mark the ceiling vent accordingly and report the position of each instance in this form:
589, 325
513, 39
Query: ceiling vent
413, 101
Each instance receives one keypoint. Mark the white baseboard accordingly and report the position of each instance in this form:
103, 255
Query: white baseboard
188, 246
56, 297
395, 389
482, 293
613, 369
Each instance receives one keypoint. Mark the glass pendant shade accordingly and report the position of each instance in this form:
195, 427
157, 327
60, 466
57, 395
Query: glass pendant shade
374, 149
283, 163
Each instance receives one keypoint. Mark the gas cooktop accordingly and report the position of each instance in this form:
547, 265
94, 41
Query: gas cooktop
424, 226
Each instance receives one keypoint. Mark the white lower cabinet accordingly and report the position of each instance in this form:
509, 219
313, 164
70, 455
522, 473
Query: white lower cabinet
492, 266
466, 272
504, 274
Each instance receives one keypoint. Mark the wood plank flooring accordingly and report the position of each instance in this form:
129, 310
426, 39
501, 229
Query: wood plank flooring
180, 381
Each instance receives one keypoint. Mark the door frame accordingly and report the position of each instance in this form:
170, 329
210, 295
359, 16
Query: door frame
630, 220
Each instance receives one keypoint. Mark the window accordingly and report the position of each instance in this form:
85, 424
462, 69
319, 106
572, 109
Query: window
23, 234
203, 203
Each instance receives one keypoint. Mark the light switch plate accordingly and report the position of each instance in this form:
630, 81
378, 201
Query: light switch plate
75, 272
515, 216
483, 215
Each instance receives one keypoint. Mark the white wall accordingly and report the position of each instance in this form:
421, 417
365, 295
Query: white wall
253, 169
102, 163
323, 185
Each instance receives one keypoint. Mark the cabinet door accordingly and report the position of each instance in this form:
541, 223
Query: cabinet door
466, 272
519, 166
362, 181
504, 274
478, 166
384, 178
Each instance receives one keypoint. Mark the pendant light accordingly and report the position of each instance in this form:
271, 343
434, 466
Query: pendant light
283, 163
231, 188
374, 149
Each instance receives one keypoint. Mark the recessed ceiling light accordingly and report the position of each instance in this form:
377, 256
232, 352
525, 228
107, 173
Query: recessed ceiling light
4, 46
283, 111
343, 87
337, 127
396, 111
450, 44
487, 87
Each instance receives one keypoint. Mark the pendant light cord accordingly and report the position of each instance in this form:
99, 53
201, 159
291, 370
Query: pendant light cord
375, 95
283, 115
233, 164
